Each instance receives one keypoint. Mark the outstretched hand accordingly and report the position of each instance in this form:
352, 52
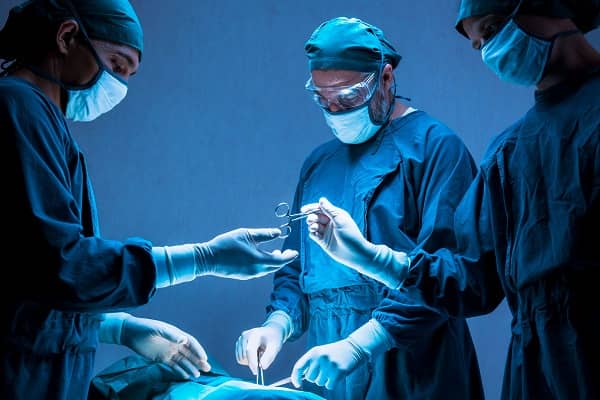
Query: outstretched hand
237, 255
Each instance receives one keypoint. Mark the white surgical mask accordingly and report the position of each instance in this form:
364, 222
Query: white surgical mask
352, 127
89, 103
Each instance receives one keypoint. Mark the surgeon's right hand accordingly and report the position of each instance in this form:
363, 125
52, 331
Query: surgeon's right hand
235, 255
265, 341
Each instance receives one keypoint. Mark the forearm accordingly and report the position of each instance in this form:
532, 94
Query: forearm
407, 318
456, 284
287, 295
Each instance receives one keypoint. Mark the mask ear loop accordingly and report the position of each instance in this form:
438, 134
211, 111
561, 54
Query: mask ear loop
101, 67
64, 86
552, 39
386, 118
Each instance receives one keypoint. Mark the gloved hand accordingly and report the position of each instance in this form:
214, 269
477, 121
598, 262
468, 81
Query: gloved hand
266, 340
326, 365
234, 255
156, 341
334, 230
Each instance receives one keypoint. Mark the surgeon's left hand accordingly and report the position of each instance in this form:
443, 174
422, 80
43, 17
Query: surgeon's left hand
326, 365
334, 230
157, 341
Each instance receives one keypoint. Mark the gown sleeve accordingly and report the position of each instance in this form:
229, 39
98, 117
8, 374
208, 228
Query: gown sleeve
57, 260
441, 182
465, 282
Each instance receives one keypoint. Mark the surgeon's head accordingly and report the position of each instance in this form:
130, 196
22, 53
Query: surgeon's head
89, 49
351, 77
517, 37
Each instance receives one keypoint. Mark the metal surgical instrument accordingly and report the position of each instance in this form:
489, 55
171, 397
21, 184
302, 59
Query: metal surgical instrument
281, 382
260, 378
283, 211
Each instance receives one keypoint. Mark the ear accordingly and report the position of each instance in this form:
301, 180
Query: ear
65, 35
387, 76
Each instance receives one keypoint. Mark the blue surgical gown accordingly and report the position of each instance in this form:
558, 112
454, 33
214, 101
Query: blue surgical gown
401, 188
528, 231
62, 275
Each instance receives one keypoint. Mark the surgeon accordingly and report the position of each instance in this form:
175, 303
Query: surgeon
527, 226
69, 287
402, 173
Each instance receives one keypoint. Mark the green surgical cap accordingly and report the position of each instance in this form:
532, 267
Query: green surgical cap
584, 13
349, 44
108, 20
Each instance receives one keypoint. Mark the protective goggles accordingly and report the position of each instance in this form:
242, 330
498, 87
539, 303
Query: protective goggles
345, 97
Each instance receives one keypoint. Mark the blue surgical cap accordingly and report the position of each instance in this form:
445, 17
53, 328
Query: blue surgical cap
108, 20
349, 44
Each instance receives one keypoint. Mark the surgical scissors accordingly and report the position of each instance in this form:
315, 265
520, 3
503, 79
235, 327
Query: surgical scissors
283, 211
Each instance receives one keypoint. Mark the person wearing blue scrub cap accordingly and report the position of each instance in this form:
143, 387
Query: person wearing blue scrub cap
72, 60
527, 226
402, 173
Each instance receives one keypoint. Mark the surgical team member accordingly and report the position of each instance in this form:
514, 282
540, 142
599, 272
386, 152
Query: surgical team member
71, 60
527, 227
402, 173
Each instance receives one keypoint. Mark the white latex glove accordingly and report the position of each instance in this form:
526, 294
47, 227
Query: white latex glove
334, 230
326, 365
235, 254
265, 341
156, 341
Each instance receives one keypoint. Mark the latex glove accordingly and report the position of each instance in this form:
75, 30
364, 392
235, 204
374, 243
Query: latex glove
334, 230
266, 340
156, 341
235, 254
326, 365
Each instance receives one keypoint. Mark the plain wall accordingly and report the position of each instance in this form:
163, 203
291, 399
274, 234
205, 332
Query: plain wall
216, 126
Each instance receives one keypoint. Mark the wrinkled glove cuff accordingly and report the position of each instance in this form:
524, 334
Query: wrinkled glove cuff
174, 264
372, 338
283, 321
111, 327
391, 267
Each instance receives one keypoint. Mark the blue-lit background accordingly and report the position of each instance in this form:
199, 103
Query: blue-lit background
216, 126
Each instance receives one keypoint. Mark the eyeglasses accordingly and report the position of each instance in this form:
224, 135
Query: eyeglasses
344, 97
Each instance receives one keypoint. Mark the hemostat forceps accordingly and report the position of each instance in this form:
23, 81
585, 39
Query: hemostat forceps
283, 211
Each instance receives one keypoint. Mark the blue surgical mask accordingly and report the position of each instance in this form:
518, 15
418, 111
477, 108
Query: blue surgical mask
517, 56
352, 127
88, 103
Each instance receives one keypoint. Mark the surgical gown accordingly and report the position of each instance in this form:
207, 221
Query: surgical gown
528, 231
401, 188
61, 273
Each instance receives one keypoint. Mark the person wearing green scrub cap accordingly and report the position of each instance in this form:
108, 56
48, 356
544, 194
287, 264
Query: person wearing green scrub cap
396, 168
527, 227
72, 60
